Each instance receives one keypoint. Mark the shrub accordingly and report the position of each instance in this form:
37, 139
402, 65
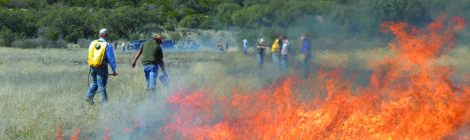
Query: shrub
83, 42
272, 34
8, 36
170, 27
175, 36
39, 43
59, 43
134, 36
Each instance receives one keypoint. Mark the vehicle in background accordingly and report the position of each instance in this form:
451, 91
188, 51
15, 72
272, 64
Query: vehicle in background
168, 45
135, 45
188, 45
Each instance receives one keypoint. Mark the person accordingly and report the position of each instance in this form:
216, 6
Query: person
124, 46
115, 44
226, 47
305, 52
260, 54
219, 47
245, 46
284, 52
152, 55
100, 54
275, 50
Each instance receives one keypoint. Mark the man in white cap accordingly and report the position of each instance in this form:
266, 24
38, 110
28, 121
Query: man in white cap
260, 56
100, 54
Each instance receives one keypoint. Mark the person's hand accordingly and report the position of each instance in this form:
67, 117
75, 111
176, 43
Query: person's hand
114, 73
133, 64
164, 73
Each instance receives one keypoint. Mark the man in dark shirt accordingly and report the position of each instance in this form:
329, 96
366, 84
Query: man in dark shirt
151, 56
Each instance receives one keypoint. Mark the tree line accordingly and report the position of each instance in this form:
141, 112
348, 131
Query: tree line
71, 20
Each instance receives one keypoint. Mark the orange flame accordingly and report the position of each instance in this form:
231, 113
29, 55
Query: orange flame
108, 135
59, 133
75, 135
409, 96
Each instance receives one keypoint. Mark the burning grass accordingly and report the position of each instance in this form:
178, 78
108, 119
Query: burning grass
411, 95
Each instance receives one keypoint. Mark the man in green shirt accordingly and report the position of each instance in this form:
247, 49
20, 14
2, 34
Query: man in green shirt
151, 56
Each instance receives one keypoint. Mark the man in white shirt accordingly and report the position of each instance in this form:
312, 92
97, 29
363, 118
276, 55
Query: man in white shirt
284, 53
245, 46
124, 46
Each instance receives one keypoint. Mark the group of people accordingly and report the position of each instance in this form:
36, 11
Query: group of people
280, 52
123, 45
100, 55
220, 48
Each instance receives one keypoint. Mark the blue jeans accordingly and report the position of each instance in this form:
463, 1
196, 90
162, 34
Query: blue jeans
151, 73
99, 79
275, 60
283, 63
304, 64
260, 60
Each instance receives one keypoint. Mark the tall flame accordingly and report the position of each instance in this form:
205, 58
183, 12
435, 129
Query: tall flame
410, 96
75, 135
59, 133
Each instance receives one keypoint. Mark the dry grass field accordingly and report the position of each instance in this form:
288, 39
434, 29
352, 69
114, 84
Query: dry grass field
43, 88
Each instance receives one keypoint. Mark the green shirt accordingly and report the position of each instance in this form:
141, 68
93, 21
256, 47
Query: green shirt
151, 53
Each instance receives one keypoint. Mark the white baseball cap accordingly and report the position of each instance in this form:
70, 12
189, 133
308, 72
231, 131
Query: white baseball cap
104, 31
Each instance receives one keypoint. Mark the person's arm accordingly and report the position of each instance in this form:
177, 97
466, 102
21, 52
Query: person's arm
160, 61
111, 59
162, 65
136, 58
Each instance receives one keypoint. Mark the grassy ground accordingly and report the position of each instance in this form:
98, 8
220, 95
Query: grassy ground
43, 88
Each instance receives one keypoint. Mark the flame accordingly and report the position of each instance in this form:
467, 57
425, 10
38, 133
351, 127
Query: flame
75, 135
410, 96
108, 135
59, 133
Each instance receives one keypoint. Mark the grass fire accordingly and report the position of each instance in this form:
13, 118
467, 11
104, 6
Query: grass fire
411, 95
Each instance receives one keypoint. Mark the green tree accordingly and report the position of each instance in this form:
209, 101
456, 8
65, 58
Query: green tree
8, 36
68, 22
195, 21
225, 11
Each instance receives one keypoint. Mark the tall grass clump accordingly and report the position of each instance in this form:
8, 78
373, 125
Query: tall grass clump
39, 43
84, 42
